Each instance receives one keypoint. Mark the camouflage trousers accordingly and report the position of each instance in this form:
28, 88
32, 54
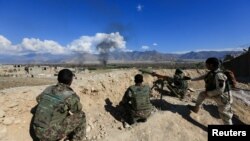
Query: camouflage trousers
177, 91
141, 115
224, 106
74, 127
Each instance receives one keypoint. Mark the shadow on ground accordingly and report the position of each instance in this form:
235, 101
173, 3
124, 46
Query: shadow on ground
164, 92
180, 109
213, 111
31, 130
115, 111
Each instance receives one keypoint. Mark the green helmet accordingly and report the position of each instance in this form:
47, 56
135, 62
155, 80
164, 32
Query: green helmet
178, 71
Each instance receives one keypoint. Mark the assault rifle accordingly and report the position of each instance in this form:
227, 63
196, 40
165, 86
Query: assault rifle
147, 71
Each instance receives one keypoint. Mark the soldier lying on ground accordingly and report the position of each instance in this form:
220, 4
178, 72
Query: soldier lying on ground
59, 112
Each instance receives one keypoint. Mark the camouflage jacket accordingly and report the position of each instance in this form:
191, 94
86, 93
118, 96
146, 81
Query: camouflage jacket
71, 104
215, 83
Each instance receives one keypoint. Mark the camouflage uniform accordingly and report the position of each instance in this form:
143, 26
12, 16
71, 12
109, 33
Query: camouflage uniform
134, 109
216, 88
180, 86
70, 121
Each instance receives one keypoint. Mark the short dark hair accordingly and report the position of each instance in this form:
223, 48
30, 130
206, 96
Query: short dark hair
138, 78
214, 61
65, 76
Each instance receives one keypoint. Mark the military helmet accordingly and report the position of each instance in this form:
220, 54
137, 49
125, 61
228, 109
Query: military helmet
178, 71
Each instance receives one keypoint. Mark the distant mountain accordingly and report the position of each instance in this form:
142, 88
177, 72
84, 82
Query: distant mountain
32, 58
120, 56
207, 54
142, 56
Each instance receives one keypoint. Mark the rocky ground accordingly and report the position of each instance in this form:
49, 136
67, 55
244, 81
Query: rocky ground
100, 94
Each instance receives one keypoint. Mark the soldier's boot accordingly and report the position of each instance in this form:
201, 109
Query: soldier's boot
194, 108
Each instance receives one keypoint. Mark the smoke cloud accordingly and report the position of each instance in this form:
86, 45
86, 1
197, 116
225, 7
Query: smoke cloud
109, 43
100, 44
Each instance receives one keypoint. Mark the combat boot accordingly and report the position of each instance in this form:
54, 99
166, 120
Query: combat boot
194, 108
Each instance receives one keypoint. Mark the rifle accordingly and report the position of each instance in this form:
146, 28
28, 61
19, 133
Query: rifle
147, 71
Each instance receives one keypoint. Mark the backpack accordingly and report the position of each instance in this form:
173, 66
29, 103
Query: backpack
51, 108
140, 98
230, 82
230, 78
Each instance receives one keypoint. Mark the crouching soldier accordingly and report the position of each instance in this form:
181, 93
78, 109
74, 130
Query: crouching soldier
59, 112
179, 85
136, 101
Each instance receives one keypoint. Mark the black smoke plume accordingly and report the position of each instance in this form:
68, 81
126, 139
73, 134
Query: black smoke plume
104, 49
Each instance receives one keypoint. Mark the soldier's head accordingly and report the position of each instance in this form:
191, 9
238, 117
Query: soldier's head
65, 76
138, 79
212, 63
178, 71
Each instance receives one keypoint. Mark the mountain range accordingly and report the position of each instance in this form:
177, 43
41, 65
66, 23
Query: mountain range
117, 56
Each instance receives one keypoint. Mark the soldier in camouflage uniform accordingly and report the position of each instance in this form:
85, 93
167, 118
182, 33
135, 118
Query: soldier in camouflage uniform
217, 88
59, 112
179, 86
136, 101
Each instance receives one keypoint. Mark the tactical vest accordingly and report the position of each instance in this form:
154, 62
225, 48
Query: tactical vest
140, 98
210, 82
52, 108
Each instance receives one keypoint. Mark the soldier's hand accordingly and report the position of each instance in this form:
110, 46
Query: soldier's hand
70, 113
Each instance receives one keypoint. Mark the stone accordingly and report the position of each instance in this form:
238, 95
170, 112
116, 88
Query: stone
88, 129
8, 121
13, 104
17, 121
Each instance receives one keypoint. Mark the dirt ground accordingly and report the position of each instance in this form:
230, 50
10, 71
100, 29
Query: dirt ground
100, 94
9, 82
